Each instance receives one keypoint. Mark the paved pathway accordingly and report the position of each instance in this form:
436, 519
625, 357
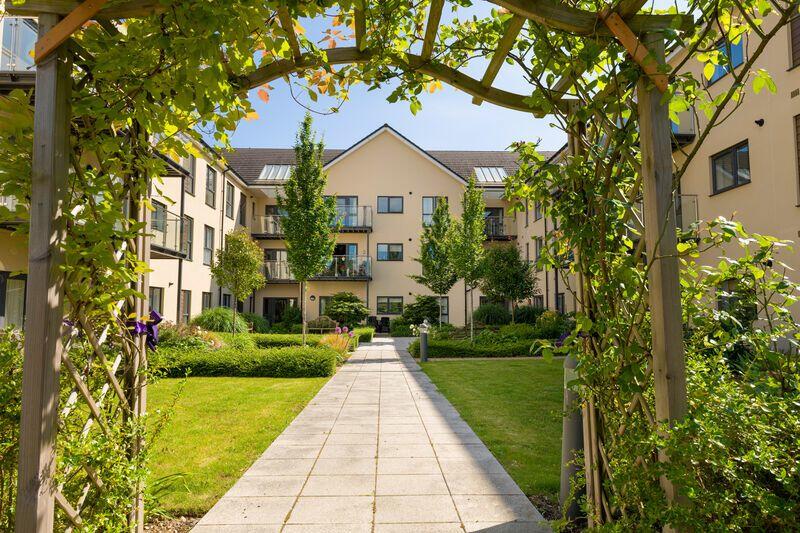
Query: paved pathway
379, 449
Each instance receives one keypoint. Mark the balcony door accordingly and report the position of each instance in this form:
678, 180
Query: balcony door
347, 209
494, 221
274, 308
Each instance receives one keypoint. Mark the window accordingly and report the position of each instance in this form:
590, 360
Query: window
528, 252
157, 300
794, 40
444, 309
735, 57
19, 37
12, 299
226, 300
206, 300
390, 252
186, 306
538, 251
560, 302
323, 304
208, 245
390, 204
390, 305
211, 187
188, 181
538, 301
347, 211
537, 211
229, 200
188, 236
158, 222
731, 168
429, 204
242, 209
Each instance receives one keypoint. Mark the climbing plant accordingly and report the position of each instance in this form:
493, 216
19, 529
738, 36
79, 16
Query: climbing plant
156, 83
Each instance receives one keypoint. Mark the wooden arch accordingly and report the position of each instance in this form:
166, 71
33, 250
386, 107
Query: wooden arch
59, 19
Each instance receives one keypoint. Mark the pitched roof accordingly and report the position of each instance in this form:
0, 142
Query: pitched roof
249, 162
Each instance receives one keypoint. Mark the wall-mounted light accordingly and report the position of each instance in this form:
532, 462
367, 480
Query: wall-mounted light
312, 298
760, 122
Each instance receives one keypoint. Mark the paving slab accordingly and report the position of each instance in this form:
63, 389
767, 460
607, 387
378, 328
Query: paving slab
378, 450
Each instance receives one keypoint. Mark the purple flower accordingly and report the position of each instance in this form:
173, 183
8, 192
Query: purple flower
345, 329
338, 330
352, 334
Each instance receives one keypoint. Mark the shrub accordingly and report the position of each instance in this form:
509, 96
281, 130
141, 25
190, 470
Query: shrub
552, 325
518, 331
463, 348
289, 362
185, 336
272, 340
10, 409
527, 314
260, 324
492, 314
400, 328
364, 334
291, 315
296, 328
347, 309
242, 342
422, 308
219, 319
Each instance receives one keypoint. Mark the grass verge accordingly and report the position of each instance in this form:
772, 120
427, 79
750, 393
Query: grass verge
515, 408
218, 428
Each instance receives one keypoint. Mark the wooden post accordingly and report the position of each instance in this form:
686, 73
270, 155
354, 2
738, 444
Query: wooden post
44, 300
669, 367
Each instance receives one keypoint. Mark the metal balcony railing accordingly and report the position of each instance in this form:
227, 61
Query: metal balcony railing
497, 227
166, 233
348, 267
268, 225
352, 217
278, 271
9, 202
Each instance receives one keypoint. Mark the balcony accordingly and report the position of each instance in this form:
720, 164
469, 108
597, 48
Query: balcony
17, 69
165, 237
499, 228
354, 219
341, 268
347, 267
10, 203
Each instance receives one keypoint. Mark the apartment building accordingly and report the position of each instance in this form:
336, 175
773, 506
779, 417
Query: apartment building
747, 169
386, 189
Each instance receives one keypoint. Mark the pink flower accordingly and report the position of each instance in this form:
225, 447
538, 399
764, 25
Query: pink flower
338, 330
345, 329
351, 334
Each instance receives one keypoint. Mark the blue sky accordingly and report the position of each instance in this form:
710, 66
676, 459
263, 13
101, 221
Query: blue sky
448, 119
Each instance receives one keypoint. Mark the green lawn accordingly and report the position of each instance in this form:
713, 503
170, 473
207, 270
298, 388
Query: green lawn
514, 405
219, 427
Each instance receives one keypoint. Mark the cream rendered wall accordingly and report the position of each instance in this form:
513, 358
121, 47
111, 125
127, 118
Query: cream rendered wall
14, 257
769, 203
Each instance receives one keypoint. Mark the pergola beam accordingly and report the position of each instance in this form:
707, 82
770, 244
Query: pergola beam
638, 51
64, 29
513, 27
287, 23
360, 24
432, 28
441, 72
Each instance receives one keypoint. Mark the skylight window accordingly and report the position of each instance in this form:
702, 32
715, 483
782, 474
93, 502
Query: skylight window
275, 172
490, 174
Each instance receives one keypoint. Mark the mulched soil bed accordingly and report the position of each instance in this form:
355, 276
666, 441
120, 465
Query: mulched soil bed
181, 524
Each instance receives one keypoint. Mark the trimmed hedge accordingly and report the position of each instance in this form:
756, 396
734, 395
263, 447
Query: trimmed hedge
400, 328
290, 362
463, 348
275, 340
364, 334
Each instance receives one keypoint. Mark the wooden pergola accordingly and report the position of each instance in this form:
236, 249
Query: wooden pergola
640, 34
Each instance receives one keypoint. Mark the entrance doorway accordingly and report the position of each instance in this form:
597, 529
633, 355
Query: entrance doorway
274, 307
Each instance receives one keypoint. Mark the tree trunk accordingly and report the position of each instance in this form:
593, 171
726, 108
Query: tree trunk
471, 317
440, 309
233, 326
303, 308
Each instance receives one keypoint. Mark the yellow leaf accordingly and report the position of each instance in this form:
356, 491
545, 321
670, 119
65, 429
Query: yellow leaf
251, 116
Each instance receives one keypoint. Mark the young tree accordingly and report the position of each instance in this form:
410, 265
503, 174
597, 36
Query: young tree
307, 225
466, 244
238, 266
347, 309
438, 274
506, 276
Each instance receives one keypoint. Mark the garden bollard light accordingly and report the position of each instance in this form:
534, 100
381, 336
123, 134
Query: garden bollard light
423, 341
571, 440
